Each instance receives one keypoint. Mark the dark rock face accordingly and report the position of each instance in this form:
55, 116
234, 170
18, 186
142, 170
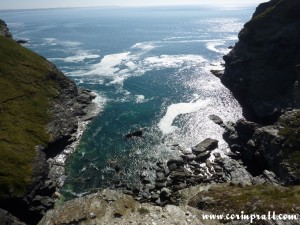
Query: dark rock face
71, 105
7, 219
261, 68
261, 148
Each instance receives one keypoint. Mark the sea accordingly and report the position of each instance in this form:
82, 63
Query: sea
150, 68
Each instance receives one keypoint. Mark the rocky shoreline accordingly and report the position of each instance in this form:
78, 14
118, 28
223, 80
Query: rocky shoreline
260, 155
263, 152
72, 110
193, 167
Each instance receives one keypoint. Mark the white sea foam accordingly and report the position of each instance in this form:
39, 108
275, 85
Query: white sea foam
70, 43
174, 110
191, 41
100, 101
145, 46
81, 57
131, 65
49, 40
179, 37
140, 98
109, 63
213, 47
172, 61
118, 80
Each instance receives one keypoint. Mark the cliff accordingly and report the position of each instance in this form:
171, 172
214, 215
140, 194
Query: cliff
261, 69
40, 110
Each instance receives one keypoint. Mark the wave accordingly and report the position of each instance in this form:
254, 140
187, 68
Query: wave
100, 101
174, 110
179, 37
81, 57
213, 47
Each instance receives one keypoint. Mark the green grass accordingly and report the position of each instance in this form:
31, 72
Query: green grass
143, 211
231, 199
25, 90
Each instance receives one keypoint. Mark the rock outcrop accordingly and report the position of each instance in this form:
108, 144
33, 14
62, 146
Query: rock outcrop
261, 69
4, 31
112, 207
266, 148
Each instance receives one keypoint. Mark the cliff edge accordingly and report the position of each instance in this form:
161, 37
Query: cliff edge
40, 110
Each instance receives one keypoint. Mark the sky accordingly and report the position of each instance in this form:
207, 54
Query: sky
32, 4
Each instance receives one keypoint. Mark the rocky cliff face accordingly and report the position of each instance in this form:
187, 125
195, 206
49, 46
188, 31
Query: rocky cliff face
274, 148
40, 110
261, 69
4, 31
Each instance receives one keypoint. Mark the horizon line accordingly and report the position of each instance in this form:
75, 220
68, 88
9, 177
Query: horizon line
136, 6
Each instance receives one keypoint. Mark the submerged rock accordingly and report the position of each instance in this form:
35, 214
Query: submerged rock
138, 133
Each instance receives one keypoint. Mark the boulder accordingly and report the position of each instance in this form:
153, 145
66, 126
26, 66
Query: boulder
208, 144
216, 119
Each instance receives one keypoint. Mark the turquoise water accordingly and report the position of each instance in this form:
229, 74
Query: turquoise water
150, 68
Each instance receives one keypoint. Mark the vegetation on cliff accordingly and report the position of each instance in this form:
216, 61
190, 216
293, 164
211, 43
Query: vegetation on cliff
26, 85
259, 199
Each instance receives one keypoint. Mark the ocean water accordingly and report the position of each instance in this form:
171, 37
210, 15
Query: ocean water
150, 68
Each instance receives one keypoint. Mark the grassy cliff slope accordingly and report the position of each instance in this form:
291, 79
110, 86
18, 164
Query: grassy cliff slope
26, 86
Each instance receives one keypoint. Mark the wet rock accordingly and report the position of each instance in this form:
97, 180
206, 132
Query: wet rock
217, 73
174, 164
217, 155
189, 157
187, 151
201, 157
21, 41
208, 144
216, 119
